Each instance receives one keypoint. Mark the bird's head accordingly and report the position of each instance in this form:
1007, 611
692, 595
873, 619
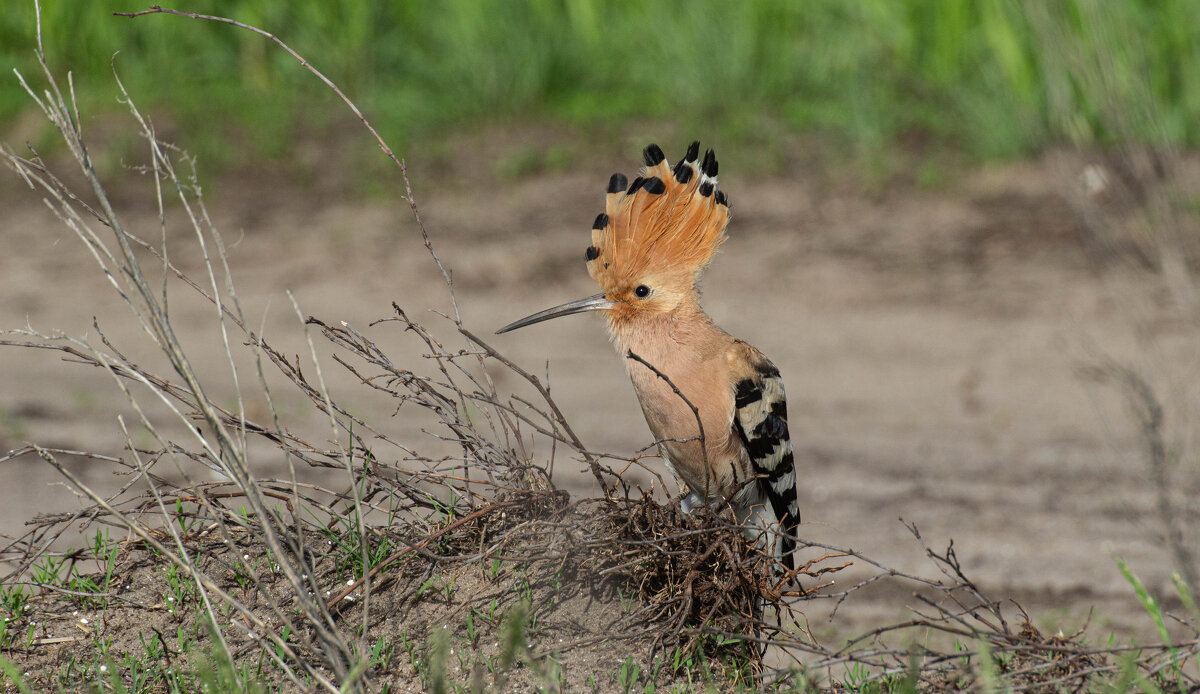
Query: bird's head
652, 241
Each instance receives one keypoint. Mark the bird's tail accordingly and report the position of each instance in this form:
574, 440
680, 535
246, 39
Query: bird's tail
789, 526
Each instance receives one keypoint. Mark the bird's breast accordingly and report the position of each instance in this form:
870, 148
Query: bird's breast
703, 381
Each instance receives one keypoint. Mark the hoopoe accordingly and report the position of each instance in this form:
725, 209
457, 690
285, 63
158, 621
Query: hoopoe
648, 249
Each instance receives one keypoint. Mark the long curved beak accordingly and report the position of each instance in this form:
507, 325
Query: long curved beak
592, 303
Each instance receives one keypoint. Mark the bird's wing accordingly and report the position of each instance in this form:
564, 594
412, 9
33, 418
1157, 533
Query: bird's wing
760, 421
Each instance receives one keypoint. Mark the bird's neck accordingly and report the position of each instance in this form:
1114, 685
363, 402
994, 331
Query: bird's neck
666, 337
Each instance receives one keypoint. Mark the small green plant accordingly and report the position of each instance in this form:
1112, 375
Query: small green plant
626, 603
472, 634
443, 585
382, 652
85, 587
410, 647
185, 518
106, 552
49, 571
856, 674
347, 542
14, 601
494, 569
284, 635
1151, 605
447, 586
627, 675
523, 588
180, 590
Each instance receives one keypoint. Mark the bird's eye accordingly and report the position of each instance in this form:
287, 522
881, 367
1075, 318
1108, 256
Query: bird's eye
642, 291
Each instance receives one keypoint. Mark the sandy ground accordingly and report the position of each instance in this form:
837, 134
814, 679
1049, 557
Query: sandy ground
933, 342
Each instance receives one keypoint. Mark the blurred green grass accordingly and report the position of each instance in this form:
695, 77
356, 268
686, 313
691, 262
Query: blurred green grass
991, 79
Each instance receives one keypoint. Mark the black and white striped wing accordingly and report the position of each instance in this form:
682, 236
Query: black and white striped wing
761, 422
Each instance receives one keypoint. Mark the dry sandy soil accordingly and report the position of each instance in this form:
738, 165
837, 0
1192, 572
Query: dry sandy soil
934, 344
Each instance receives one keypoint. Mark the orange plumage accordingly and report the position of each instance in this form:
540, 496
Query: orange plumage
663, 225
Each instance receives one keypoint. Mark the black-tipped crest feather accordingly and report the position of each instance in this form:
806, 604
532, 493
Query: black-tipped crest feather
683, 171
658, 225
653, 155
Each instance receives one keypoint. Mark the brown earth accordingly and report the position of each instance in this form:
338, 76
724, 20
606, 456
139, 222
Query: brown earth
935, 346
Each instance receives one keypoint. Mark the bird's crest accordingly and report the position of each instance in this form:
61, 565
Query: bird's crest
668, 221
